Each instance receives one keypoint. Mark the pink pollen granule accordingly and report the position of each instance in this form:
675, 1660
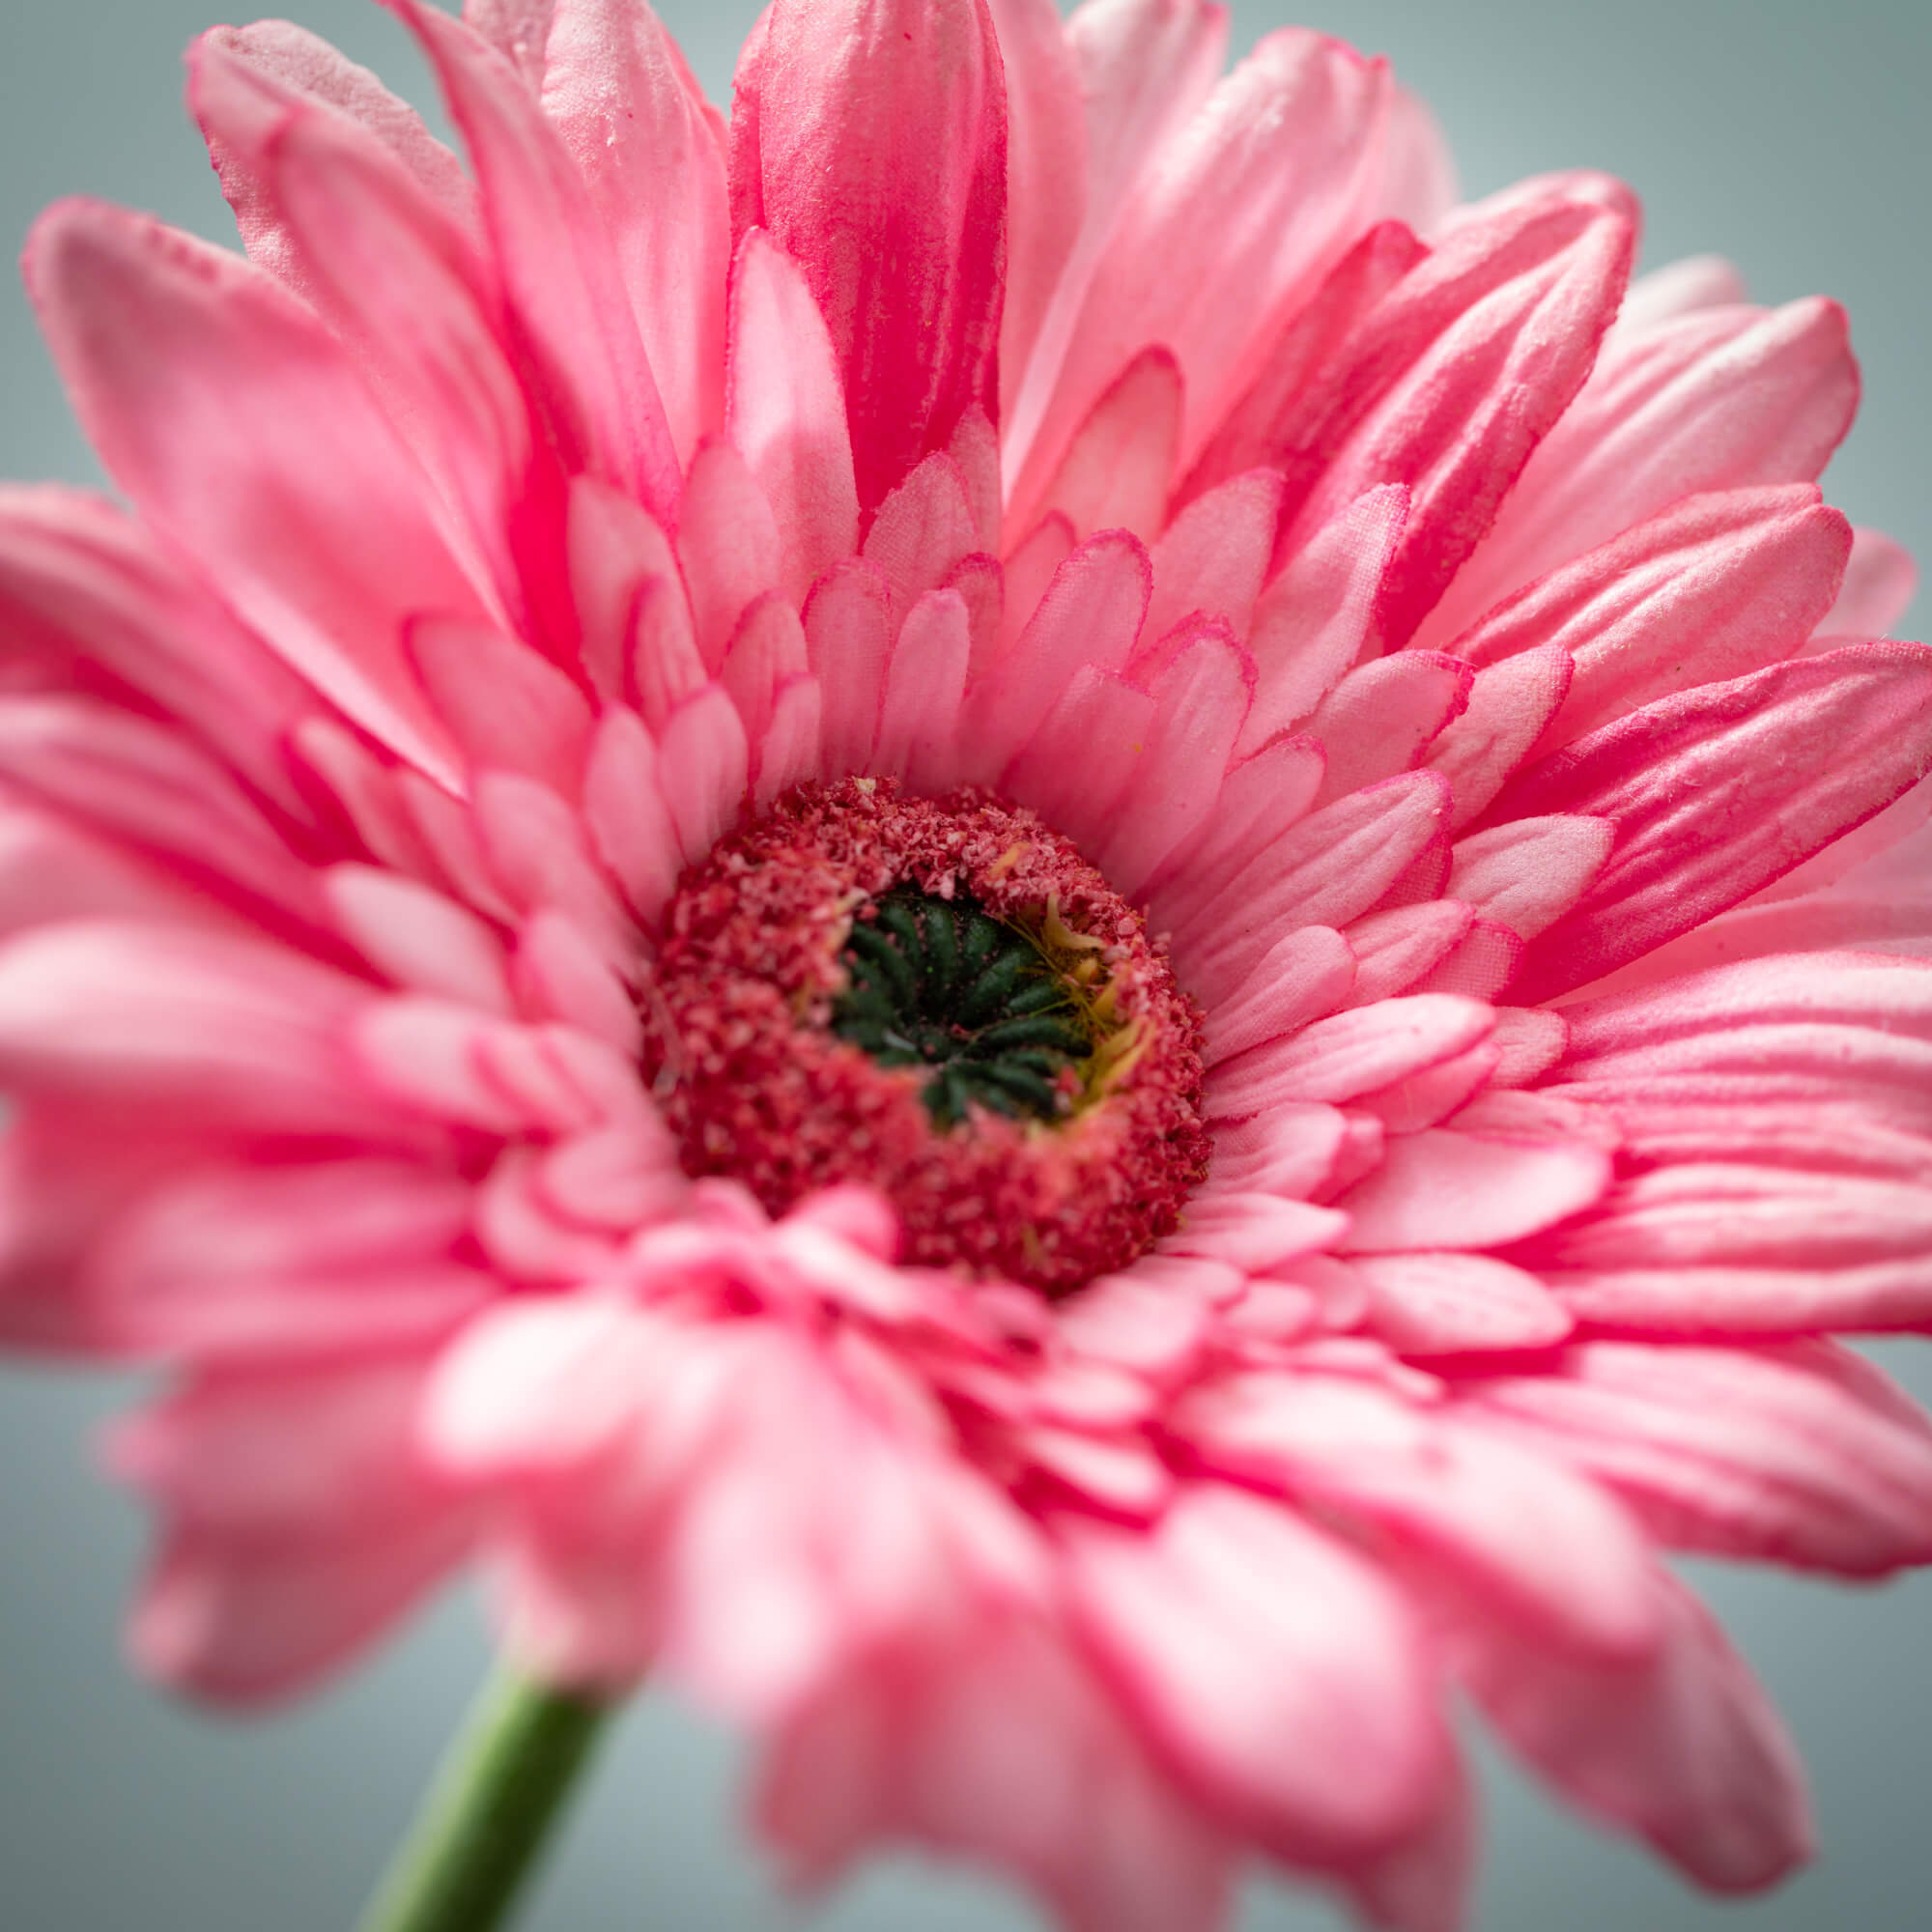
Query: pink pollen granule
758, 1085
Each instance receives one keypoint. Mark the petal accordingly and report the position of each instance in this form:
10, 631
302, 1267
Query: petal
173, 352
1686, 1750
1235, 1625
787, 413
870, 142
1453, 381
1719, 398
650, 150
560, 274
1714, 794
1802, 1454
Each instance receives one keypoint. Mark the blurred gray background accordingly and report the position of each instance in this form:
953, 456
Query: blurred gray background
1793, 137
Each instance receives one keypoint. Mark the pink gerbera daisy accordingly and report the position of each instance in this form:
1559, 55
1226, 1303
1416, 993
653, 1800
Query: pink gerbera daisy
1016, 916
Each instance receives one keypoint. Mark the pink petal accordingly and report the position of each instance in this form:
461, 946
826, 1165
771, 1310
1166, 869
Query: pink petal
631, 827
1802, 1454
1719, 399
1089, 617
871, 142
1287, 1150
1530, 871
169, 348
1509, 706
1881, 581
1235, 1625
1305, 346
1395, 948
1686, 1750
1714, 588
1326, 870
1046, 170
1199, 700
1302, 979
288, 62
1549, 1552
650, 150
1277, 168
1382, 717
1120, 462
1213, 558
417, 938
1713, 795
1461, 371
729, 544
1347, 1054
848, 629
86, 593
276, 1568
1446, 1303
925, 688
1076, 768
1319, 616
924, 531
787, 413
702, 770
1442, 1188
559, 272
501, 702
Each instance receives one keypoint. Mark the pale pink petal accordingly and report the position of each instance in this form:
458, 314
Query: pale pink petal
1442, 1188
1396, 948
1120, 462
300, 1525
1047, 172
1719, 399
560, 271
729, 545
1508, 706
787, 413
1089, 617
1300, 978
1529, 872
1199, 700
417, 938
1262, 189
1802, 1454
1318, 618
1349, 1053
1881, 581
923, 531
501, 702
651, 153
1235, 1624
1714, 588
848, 629
1447, 1303
173, 352
1712, 797
1686, 1750
1457, 377
871, 143
925, 688
1382, 717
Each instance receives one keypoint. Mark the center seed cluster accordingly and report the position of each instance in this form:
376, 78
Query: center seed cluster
942, 987
940, 998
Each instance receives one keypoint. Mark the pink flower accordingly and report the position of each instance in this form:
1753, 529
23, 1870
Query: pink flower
1015, 915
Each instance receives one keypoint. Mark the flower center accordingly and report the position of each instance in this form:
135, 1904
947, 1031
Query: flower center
981, 1007
942, 999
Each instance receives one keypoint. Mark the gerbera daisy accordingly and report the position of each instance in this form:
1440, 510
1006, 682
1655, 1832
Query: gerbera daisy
1014, 915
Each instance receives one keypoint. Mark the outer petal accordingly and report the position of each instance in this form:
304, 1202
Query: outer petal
174, 352
1717, 791
871, 143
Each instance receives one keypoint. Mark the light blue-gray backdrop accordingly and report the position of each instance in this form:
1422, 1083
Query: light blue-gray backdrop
1792, 136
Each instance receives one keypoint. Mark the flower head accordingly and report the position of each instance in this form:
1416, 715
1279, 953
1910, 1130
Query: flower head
1015, 914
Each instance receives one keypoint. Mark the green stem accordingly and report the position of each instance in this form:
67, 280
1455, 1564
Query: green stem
496, 1795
